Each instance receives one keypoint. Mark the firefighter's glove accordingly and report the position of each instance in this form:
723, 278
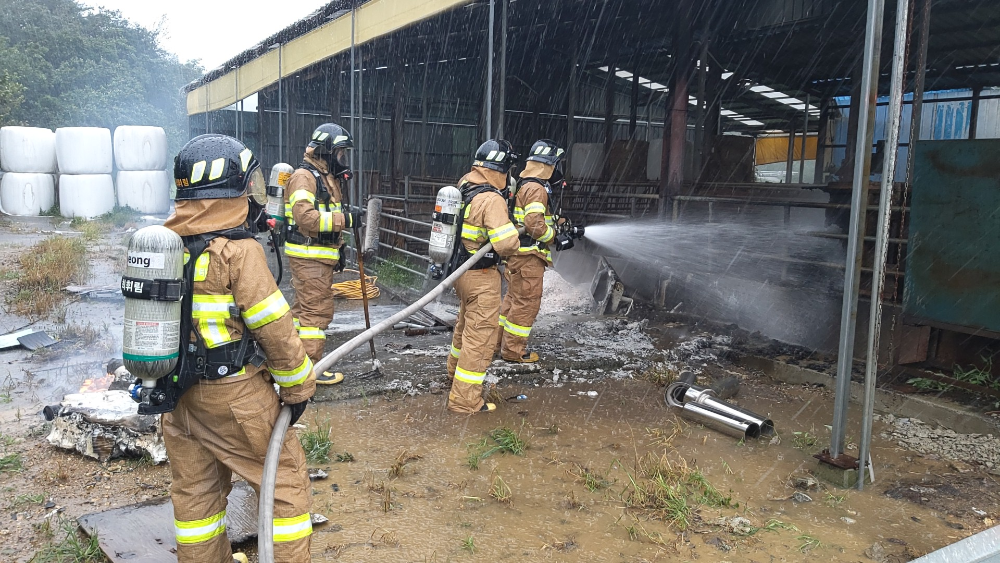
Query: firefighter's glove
563, 241
352, 217
297, 410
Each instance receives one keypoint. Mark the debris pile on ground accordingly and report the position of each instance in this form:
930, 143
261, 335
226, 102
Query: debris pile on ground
619, 340
916, 435
702, 350
560, 296
105, 425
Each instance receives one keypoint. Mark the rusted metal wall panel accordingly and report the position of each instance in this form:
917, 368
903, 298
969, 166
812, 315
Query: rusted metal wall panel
953, 266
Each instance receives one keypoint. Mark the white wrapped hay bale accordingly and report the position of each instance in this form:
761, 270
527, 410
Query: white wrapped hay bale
27, 193
84, 150
140, 148
146, 191
86, 195
28, 149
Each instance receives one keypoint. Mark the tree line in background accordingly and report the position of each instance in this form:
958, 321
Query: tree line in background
63, 64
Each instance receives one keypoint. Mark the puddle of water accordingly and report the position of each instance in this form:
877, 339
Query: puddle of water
438, 502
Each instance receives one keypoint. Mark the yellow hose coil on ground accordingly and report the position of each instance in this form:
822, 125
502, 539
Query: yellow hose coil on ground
351, 289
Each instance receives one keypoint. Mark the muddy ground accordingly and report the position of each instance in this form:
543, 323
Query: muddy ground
597, 433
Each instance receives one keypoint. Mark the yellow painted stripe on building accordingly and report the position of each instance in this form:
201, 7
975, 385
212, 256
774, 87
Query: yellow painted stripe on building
375, 19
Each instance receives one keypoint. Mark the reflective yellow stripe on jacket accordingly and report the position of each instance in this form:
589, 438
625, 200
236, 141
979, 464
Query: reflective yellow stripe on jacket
326, 209
311, 251
311, 332
211, 312
269, 310
291, 529
287, 378
199, 531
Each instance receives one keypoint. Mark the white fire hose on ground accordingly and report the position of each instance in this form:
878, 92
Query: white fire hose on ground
265, 527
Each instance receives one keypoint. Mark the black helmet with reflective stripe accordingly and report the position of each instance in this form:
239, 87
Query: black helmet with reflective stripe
215, 167
330, 142
546, 152
496, 155
329, 136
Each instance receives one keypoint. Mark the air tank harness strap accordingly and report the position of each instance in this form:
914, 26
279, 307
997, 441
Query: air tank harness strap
152, 290
202, 363
461, 254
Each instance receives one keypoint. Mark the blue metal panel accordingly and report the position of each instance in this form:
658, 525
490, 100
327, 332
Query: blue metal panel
953, 264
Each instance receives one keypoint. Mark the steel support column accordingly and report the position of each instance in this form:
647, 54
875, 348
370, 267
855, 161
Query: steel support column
489, 71
673, 174
882, 233
859, 205
917, 109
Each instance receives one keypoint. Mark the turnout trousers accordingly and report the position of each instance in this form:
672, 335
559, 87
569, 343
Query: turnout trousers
220, 428
524, 276
473, 341
312, 308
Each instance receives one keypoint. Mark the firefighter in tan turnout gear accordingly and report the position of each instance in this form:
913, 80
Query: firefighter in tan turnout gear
484, 219
526, 268
315, 218
244, 339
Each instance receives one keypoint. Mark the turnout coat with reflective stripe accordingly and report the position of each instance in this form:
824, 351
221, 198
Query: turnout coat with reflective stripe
311, 216
233, 291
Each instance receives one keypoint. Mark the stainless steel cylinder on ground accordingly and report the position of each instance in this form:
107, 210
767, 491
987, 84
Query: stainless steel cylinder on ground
701, 405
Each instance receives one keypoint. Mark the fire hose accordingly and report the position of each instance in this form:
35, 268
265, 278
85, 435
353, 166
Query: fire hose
265, 525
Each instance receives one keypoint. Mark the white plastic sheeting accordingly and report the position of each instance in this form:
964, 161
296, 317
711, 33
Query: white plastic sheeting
144, 191
86, 195
84, 150
27, 149
27, 193
140, 148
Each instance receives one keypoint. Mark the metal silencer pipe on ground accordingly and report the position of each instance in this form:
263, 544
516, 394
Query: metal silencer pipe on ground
706, 397
702, 406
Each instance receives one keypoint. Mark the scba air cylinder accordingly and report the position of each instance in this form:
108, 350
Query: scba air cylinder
153, 286
447, 207
280, 173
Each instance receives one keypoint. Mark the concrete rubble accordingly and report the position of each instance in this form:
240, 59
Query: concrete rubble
916, 435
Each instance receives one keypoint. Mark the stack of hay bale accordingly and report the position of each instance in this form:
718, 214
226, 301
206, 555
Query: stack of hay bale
141, 155
28, 159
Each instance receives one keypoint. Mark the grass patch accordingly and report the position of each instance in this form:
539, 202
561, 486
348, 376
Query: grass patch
593, 481
671, 490
809, 543
774, 525
660, 375
390, 273
804, 440
317, 444
500, 491
399, 466
21, 501
117, 218
345, 457
501, 439
11, 463
68, 545
44, 270
469, 544
835, 500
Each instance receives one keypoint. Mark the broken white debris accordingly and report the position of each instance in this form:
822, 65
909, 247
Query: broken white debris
106, 425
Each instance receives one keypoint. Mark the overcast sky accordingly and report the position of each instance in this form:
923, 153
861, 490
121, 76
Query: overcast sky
211, 30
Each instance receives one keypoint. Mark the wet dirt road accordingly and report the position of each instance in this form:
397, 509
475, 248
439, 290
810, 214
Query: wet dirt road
438, 503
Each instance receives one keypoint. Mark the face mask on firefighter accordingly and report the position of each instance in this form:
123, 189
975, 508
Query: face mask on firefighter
256, 187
